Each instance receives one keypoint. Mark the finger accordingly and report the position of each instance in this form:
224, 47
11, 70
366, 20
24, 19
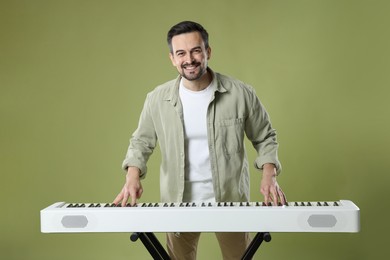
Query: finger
118, 198
133, 197
266, 198
125, 199
283, 197
274, 197
264, 190
139, 193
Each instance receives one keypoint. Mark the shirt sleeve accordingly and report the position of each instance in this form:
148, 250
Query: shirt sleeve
259, 131
142, 142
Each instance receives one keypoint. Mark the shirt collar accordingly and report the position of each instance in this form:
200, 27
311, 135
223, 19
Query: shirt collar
173, 94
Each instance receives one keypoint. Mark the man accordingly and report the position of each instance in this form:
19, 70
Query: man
199, 120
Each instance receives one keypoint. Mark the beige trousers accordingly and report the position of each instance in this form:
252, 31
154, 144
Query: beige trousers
183, 246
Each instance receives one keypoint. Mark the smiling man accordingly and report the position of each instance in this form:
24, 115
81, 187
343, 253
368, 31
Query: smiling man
199, 120
190, 55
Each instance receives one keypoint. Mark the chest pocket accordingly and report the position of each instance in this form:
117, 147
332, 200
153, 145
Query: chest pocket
230, 134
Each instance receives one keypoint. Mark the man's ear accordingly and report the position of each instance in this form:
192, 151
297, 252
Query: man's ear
208, 53
172, 59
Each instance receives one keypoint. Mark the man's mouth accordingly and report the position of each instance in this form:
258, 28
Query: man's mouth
191, 66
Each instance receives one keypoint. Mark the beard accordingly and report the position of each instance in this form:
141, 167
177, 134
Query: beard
196, 74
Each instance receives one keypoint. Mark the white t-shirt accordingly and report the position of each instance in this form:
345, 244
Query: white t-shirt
198, 177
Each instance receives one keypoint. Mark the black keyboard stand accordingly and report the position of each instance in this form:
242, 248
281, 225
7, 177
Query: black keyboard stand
255, 244
150, 241
157, 251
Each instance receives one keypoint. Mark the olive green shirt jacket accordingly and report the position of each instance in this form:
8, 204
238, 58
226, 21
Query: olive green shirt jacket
234, 110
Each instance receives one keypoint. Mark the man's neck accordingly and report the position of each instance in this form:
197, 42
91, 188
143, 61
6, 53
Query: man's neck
199, 84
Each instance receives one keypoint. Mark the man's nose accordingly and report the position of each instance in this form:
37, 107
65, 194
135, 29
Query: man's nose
190, 58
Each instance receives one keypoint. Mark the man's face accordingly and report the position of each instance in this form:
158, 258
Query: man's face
189, 55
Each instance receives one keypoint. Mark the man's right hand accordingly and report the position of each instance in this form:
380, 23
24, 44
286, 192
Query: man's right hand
132, 189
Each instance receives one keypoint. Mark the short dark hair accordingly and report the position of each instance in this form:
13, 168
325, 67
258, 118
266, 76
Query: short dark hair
187, 27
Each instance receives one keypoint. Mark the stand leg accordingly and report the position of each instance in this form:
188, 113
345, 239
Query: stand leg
154, 247
157, 251
255, 244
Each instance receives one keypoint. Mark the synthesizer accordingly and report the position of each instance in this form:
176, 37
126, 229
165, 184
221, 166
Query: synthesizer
318, 216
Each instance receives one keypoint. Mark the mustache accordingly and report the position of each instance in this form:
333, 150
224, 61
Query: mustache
194, 63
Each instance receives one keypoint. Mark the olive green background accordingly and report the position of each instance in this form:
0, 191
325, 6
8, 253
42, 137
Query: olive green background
74, 75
